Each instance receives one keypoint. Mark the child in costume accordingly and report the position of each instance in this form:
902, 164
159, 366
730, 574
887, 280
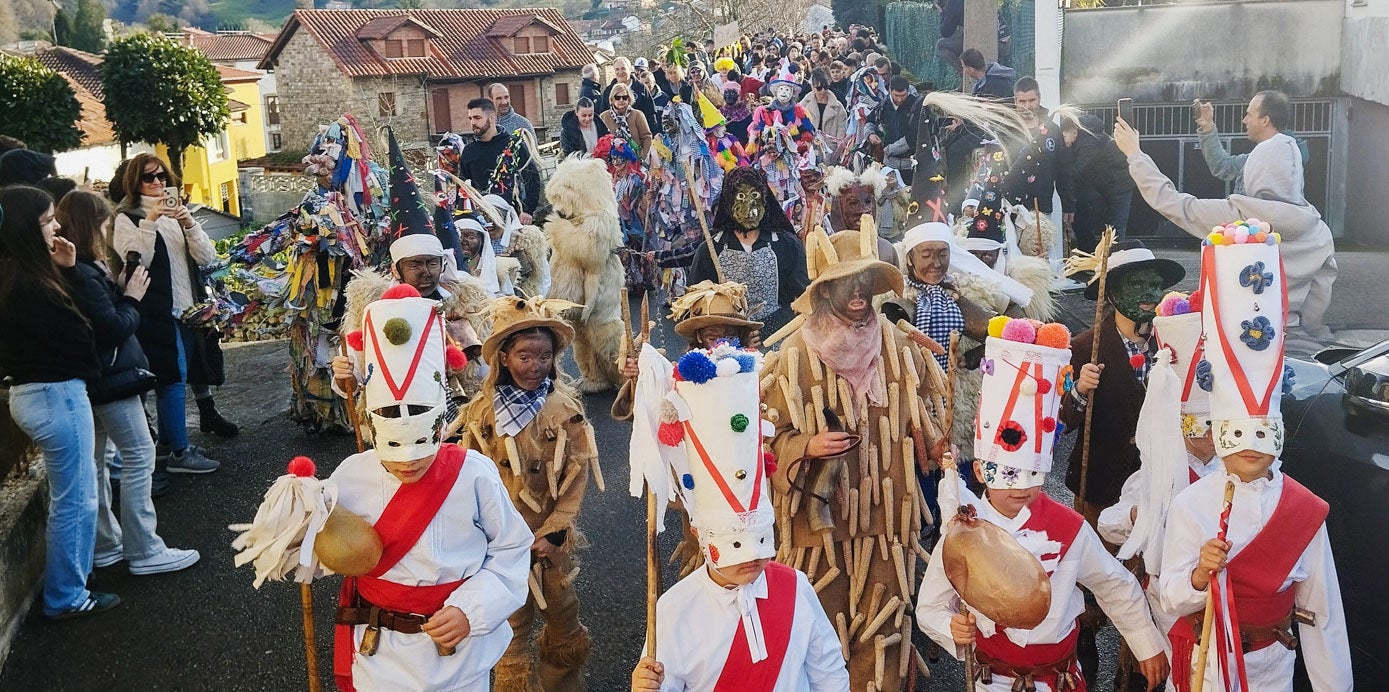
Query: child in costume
780, 138
1026, 368
633, 210
1250, 539
532, 424
741, 621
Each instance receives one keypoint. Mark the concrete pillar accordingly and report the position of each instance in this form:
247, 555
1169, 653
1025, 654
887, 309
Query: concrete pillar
981, 32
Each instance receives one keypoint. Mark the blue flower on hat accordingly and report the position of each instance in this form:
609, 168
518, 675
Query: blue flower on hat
1204, 378
1258, 333
1254, 277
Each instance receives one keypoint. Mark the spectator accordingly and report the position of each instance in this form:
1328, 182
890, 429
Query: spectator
671, 79
626, 122
826, 111
641, 100
479, 160
580, 129
25, 167
8, 143
57, 186
589, 88
508, 120
893, 126
839, 80
1273, 178
736, 113
1100, 186
1036, 170
659, 98
991, 80
48, 353
114, 314
951, 45
1268, 114
171, 245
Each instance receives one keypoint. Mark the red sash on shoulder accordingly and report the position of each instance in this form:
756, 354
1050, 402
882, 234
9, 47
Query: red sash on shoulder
1258, 572
776, 612
400, 526
1059, 522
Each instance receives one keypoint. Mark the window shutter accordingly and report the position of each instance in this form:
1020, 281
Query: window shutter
562, 94
416, 48
521, 45
540, 44
443, 117
395, 48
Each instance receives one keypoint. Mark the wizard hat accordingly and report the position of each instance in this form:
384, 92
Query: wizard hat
1245, 310
1178, 327
708, 113
1026, 368
511, 315
707, 303
409, 214
844, 254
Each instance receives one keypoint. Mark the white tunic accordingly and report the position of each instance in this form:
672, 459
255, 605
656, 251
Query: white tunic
1195, 519
697, 620
1087, 564
477, 535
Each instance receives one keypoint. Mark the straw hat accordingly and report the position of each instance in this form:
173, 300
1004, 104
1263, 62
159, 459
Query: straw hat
707, 303
842, 255
511, 315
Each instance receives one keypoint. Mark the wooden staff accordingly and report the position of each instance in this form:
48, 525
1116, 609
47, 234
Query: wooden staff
350, 389
653, 572
952, 364
703, 225
1198, 677
1037, 221
1102, 251
310, 650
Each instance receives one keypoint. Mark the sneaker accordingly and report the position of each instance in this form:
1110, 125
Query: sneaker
167, 560
191, 460
107, 559
95, 603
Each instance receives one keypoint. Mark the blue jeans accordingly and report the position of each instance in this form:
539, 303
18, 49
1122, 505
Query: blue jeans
171, 400
58, 418
123, 433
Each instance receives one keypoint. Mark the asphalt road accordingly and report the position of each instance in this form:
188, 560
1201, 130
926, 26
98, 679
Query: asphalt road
207, 629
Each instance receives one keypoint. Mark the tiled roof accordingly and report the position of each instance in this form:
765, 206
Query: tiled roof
97, 130
230, 47
461, 47
78, 66
235, 74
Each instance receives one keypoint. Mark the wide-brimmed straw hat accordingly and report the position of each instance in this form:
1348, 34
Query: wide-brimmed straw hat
707, 303
841, 255
511, 315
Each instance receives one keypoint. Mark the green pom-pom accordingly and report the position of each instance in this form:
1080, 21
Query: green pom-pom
397, 331
739, 422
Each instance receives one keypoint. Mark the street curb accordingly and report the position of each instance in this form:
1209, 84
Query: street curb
23, 520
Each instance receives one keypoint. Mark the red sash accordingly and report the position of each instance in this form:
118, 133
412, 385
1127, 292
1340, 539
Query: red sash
1059, 522
1191, 475
401, 524
776, 612
1257, 573
1000, 647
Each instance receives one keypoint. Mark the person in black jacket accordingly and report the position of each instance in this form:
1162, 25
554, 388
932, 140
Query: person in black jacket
114, 314
893, 125
47, 354
580, 129
1035, 172
1100, 187
589, 88
479, 161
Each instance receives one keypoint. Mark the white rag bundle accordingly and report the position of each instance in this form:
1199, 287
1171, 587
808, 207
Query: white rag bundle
281, 537
1162, 451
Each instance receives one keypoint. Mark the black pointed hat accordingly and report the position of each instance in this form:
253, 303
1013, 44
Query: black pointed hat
410, 213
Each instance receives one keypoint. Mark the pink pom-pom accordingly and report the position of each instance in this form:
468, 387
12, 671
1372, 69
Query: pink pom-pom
1020, 331
769, 461
454, 358
670, 434
400, 291
302, 467
354, 340
1054, 335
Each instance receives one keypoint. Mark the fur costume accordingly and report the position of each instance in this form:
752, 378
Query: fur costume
584, 234
1022, 220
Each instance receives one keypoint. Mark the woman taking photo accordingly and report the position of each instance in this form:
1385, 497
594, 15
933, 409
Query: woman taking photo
171, 246
48, 352
114, 314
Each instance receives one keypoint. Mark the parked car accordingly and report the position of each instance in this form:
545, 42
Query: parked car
1337, 419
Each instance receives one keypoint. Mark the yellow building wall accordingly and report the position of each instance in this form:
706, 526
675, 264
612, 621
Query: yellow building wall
204, 179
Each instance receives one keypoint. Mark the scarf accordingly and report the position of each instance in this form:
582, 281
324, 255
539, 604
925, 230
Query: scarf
515, 408
936, 315
853, 350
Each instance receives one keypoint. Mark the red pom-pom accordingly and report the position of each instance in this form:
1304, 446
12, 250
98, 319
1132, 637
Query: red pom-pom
713, 552
675, 373
1048, 424
454, 358
670, 434
1138, 360
1043, 386
302, 467
354, 340
1195, 300
769, 461
400, 291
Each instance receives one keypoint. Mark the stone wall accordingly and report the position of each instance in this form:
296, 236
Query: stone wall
23, 519
272, 194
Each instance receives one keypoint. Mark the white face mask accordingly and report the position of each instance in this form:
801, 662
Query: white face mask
784, 94
408, 437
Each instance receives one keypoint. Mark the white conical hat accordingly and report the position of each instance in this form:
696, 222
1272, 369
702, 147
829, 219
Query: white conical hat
1178, 326
1245, 309
1019, 400
406, 392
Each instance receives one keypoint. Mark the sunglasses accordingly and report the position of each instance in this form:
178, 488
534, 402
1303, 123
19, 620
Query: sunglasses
161, 176
622, 98
819, 87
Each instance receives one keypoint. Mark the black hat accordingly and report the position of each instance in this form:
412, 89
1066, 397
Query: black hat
1127, 256
409, 213
25, 167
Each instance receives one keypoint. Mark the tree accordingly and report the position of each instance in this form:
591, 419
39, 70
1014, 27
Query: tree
161, 23
87, 32
39, 106
62, 28
160, 92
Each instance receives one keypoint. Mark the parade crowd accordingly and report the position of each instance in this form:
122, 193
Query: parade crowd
855, 442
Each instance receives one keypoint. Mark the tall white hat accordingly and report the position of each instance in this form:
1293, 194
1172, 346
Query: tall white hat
1026, 368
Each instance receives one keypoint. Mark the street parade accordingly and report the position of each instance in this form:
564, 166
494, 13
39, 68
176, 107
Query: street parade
773, 367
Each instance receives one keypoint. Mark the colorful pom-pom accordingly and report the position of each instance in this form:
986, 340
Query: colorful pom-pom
1138, 360
746, 362
1194, 300
1048, 424
688, 481
769, 461
727, 367
400, 291
1261, 237
697, 368
1020, 331
1241, 235
1274, 239
1043, 386
397, 331
1027, 387
302, 467
996, 325
738, 422
454, 358
670, 434
668, 412
354, 340
1054, 335
1167, 307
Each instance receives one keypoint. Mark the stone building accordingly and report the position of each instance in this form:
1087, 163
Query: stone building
416, 70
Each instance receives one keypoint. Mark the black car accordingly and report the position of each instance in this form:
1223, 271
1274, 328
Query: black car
1337, 418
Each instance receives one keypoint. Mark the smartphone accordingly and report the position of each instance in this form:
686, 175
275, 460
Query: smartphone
132, 260
1126, 112
171, 198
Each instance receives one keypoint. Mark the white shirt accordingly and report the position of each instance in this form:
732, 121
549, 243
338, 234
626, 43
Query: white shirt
697, 620
1116, 522
1086, 563
477, 535
1195, 519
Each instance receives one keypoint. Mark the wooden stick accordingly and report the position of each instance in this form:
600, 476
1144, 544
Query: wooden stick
953, 365
825, 580
703, 225
879, 619
1037, 221
310, 646
533, 579
1198, 677
351, 390
653, 572
1103, 251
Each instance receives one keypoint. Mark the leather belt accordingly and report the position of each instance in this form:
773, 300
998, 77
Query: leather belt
404, 623
1255, 637
1059, 675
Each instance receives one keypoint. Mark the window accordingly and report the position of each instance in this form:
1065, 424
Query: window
385, 104
276, 143
443, 115
562, 94
540, 44
414, 48
395, 48
521, 45
272, 110
217, 146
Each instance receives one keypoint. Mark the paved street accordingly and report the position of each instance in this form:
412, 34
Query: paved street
207, 629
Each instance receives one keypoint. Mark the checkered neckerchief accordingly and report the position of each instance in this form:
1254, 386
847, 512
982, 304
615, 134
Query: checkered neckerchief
937, 315
515, 408
1135, 349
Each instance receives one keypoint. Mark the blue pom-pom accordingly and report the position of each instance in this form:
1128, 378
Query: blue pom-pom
746, 361
1060, 428
688, 480
697, 368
